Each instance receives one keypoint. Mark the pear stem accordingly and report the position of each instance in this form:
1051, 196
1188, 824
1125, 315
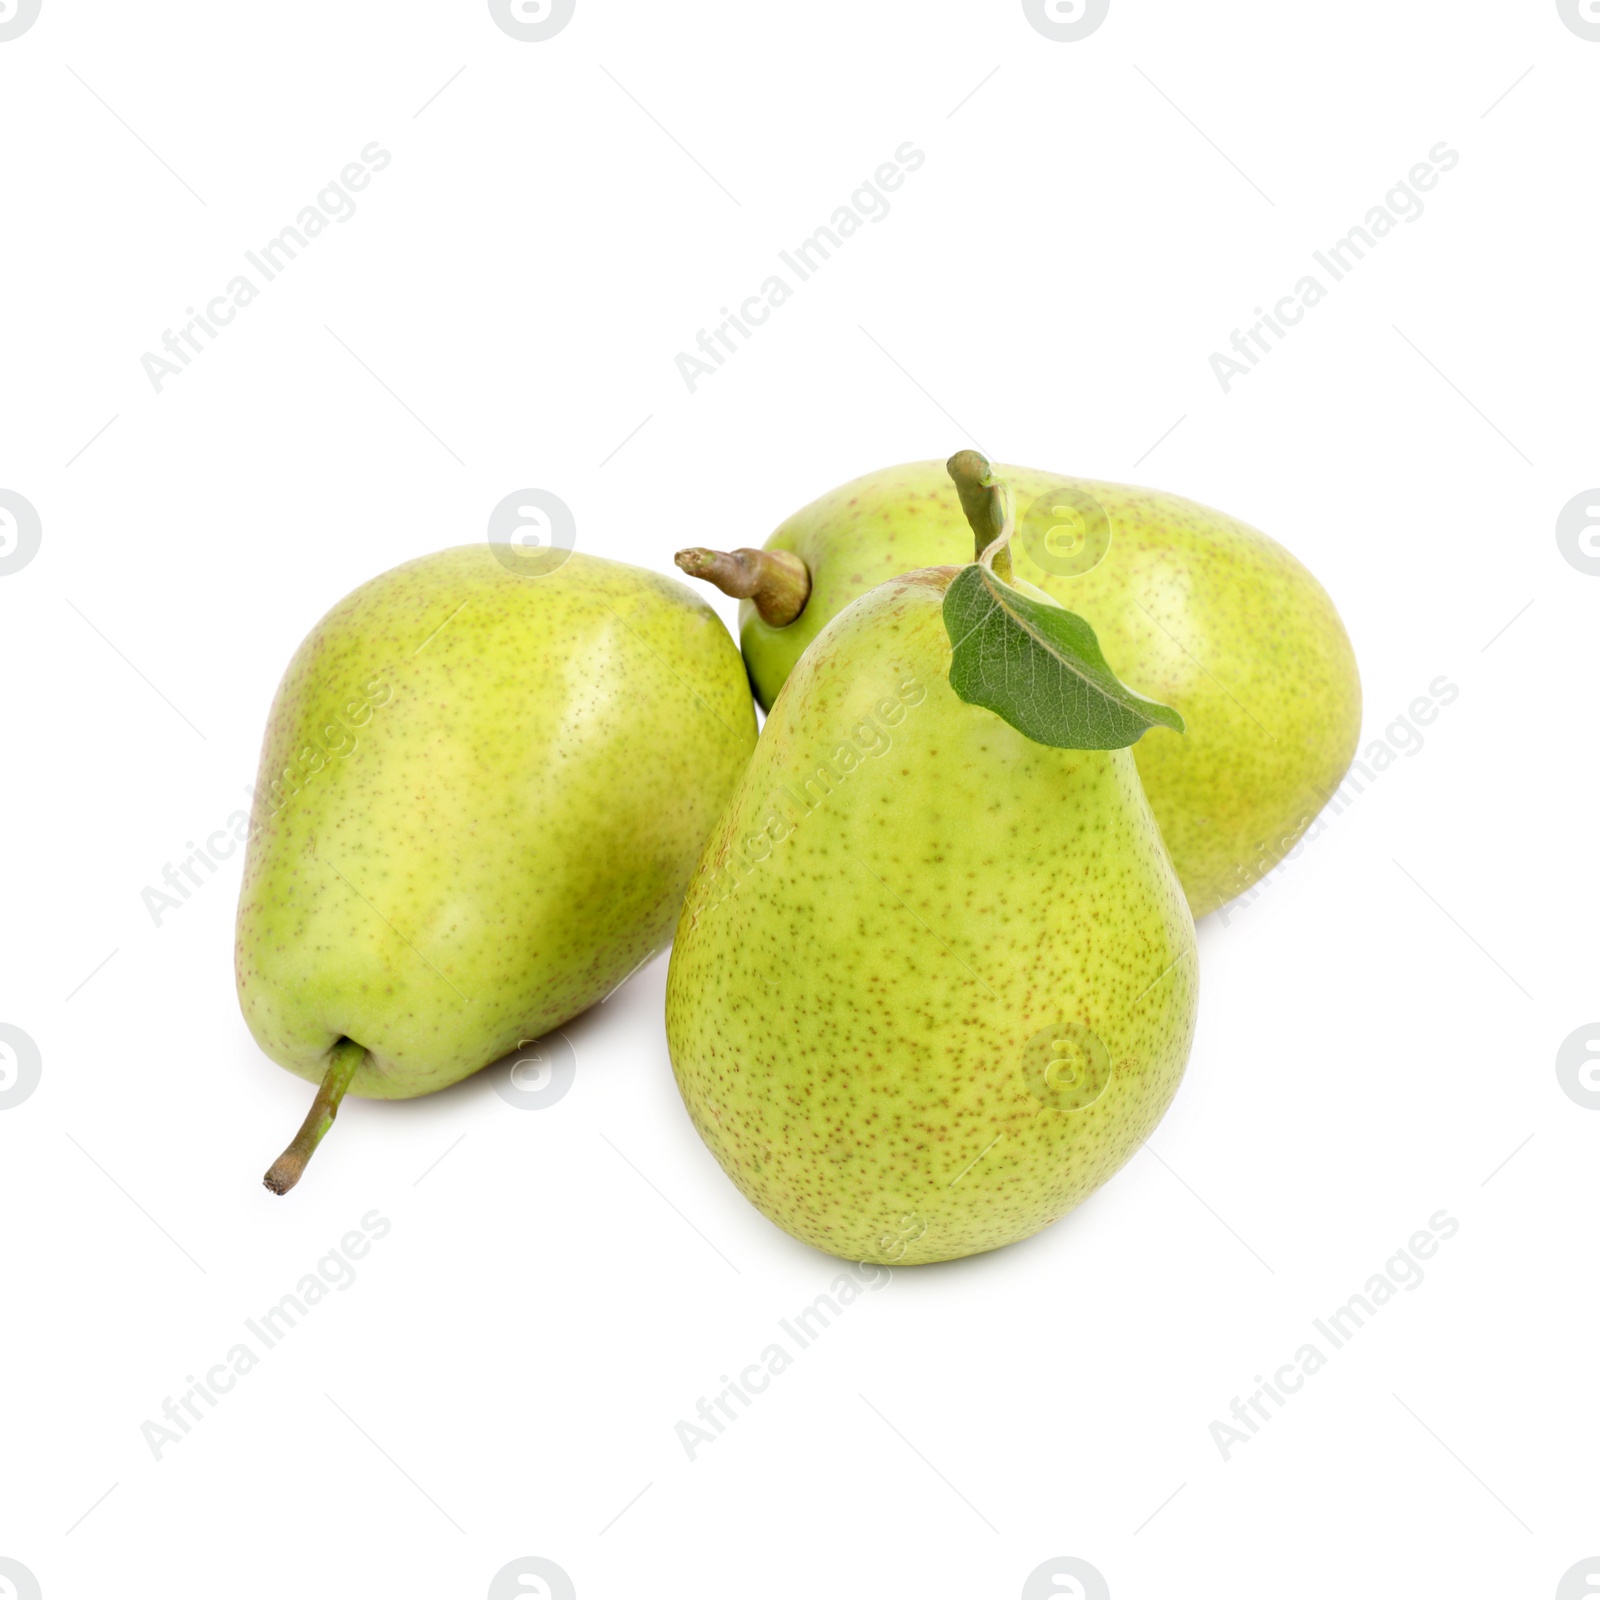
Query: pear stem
777, 583
990, 508
343, 1059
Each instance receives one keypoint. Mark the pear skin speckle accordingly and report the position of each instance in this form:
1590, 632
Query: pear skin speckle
1192, 608
933, 983
481, 796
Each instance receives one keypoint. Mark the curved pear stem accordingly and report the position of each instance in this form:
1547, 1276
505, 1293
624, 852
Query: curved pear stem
776, 583
343, 1059
990, 508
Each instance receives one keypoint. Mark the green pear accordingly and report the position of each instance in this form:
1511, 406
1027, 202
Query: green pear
1195, 608
935, 980
486, 777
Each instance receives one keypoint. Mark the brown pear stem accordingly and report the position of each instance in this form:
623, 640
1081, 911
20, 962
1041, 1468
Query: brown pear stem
777, 583
343, 1059
987, 502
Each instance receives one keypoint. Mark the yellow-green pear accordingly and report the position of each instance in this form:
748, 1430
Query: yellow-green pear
486, 777
1193, 607
935, 978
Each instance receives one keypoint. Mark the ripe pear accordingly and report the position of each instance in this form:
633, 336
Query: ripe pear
1199, 610
486, 777
934, 981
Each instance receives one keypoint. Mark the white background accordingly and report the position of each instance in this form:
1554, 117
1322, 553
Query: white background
1378, 1029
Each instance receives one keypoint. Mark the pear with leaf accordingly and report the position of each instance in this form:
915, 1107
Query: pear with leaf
1201, 610
935, 979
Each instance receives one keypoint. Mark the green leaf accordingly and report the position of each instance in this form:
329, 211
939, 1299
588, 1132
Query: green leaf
1039, 667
